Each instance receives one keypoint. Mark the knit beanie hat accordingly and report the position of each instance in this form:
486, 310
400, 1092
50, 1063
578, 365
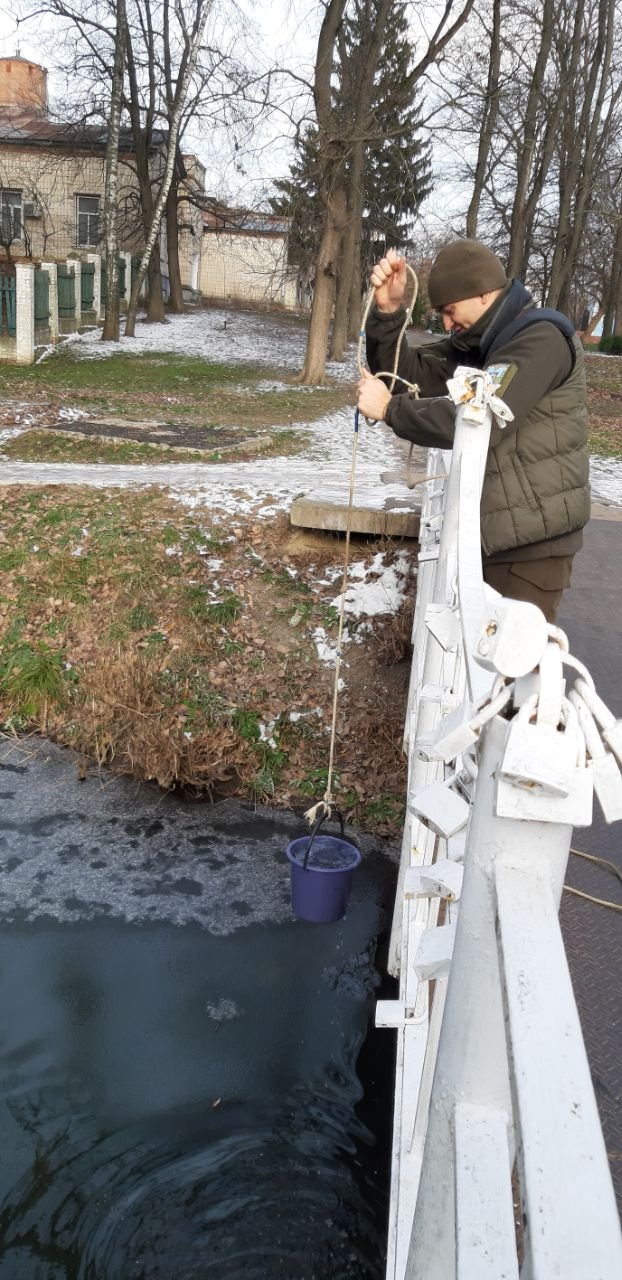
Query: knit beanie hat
464, 269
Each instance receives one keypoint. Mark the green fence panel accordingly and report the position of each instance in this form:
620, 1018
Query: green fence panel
87, 286
66, 292
42, 296
121, 279
8, 304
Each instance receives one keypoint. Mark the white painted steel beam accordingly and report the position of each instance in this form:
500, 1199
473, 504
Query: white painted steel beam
485, 1231
572, 1228
472, 1063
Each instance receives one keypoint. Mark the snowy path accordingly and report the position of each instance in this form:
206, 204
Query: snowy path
241, 486
237, 337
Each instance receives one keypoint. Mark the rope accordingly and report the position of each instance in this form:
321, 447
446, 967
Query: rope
600, 902
609, 866
323, 808
394, 376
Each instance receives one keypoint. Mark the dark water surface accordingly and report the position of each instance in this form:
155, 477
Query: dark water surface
189, 1082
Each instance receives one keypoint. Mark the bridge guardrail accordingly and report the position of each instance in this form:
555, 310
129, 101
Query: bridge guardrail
492, 1079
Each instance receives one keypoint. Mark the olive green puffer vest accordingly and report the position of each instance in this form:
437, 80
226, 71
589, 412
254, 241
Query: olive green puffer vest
536, 484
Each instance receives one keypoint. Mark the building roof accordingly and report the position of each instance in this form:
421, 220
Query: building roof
244, 221
23, 126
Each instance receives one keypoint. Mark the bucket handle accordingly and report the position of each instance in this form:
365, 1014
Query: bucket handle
315, 831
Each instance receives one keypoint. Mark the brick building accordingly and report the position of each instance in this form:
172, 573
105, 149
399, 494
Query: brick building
52, 196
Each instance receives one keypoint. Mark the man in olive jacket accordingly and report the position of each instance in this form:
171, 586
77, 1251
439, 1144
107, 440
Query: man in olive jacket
535, 497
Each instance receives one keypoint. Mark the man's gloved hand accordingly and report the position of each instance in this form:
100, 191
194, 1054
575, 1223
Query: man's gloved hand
373, 396
389, 278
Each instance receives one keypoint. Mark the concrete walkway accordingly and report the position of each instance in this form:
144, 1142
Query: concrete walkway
592, 617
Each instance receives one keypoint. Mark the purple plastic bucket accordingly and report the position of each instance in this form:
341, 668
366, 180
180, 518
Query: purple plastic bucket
321, 892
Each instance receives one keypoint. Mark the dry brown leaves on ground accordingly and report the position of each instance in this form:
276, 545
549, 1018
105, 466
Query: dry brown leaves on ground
172, 647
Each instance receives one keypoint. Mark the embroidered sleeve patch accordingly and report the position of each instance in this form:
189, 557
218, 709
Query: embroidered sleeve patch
501, 375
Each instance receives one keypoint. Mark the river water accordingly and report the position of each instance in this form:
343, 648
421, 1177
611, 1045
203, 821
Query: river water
190, 1083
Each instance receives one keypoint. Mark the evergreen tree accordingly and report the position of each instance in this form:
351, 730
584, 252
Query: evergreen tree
397, 171
298, 199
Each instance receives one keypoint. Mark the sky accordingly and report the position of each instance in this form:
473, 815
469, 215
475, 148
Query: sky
246, 176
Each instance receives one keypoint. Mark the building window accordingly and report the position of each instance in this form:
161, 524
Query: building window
88, 221
10, 215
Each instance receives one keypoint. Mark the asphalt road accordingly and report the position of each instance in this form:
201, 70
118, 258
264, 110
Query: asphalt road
592, 617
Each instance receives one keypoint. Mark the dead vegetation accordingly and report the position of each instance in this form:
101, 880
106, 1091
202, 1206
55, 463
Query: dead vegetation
167, 646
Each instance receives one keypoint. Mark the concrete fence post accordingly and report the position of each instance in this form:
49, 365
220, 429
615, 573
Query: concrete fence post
96, 259
52, 271
24, 313
75, 266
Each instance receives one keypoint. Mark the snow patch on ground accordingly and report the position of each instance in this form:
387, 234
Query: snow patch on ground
606, 480
262, 487
11, 432
71, 414
326, 648
378, 588
216, 335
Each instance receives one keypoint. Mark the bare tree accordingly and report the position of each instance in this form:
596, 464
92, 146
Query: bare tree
192, 37
336, 144
160, 36
111, 208
490, 111
581, 142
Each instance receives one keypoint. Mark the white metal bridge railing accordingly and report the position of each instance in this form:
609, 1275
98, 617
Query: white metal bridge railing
493, 1093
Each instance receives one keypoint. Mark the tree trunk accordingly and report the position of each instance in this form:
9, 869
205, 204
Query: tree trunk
577, 188
339, 335
491, 111
612, 310
525, 157
314, 369
356, 293
594, 323
350, 247
152, 246
155, 301
176, 300
110, 332
617, 327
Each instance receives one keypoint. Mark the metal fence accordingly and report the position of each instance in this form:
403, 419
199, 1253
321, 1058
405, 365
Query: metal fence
66, 292
104, 278
7, 304
87, 286
493, 1091
42, 297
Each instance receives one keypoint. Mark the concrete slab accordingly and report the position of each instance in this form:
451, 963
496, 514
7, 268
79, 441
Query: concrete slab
378, 509
168, 435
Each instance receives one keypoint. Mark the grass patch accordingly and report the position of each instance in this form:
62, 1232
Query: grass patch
169, 387
31, 677
604, 381
160, 373
116, 640
52, 446
40, 445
